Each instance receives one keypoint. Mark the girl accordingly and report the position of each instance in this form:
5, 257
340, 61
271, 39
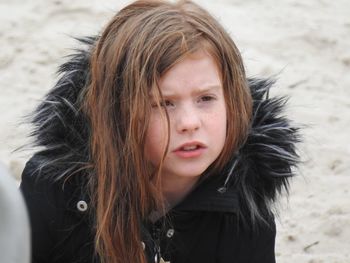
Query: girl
154, 147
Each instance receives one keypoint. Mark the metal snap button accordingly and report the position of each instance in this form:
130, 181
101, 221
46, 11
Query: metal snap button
82, 206
222, 190
143, 245
170, 233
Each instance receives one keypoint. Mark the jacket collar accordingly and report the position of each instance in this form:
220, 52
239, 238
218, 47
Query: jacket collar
208, 196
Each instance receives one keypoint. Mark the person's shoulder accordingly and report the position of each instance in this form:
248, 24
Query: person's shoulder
43, 188
40, 191
31, 171
242, 222
54, 204
41, 185
246, 242
35, 178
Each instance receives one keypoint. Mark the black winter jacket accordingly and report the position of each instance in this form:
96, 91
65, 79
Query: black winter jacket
227, 218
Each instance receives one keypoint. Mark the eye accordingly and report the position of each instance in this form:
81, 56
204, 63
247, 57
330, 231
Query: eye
164, 103
207, 98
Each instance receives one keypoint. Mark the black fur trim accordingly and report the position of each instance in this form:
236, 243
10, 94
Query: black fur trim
260, 169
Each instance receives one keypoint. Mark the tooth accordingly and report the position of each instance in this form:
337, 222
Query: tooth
189, 148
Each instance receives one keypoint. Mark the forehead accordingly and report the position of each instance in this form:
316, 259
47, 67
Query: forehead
196, 71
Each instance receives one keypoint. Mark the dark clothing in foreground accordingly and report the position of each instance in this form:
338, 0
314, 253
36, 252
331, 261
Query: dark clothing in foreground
204, 228
227, 218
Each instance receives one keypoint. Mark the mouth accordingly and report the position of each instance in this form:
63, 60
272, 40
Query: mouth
190, 150
190, 146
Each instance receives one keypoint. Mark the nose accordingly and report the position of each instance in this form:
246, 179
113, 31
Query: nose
188, 120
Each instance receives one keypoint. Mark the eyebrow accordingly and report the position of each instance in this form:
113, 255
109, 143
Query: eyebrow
200, 90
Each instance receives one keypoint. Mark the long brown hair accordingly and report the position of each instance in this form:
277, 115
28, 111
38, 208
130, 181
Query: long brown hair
139, 44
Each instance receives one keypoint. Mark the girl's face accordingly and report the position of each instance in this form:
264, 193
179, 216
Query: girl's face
194, 99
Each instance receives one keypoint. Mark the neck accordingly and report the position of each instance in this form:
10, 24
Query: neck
176, 189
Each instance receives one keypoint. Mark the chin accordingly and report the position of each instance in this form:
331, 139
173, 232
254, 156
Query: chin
189, 172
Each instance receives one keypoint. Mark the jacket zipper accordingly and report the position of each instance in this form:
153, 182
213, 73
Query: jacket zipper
156, 238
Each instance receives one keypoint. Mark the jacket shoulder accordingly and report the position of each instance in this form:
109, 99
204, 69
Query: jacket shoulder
52, 209
246, 244
42, 201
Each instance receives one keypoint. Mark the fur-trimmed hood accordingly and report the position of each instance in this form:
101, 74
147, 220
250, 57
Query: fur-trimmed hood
259, 170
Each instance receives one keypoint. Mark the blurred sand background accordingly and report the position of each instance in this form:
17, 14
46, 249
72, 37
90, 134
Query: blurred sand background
304, 44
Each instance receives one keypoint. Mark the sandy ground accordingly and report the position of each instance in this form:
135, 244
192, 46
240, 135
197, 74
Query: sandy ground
305, 44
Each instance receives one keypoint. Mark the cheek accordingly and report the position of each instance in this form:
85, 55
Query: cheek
219, 126
156, 140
